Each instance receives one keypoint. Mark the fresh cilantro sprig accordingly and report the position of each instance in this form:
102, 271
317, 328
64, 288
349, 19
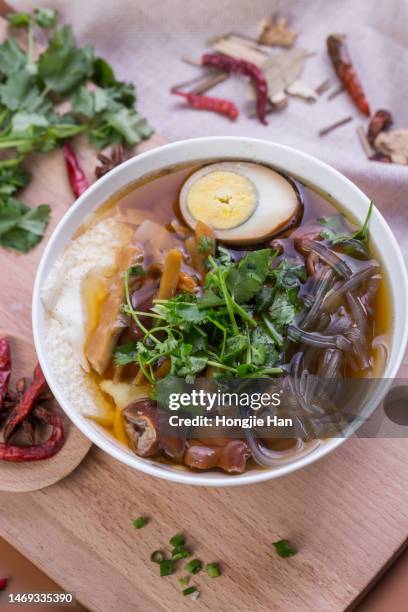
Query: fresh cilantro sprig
228, 328
352, 243
30, 93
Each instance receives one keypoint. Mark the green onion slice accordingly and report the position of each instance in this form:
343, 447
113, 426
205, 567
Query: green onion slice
213, 570
177, 540
193, 566
166, 567
189, 590
158, 556
284, 549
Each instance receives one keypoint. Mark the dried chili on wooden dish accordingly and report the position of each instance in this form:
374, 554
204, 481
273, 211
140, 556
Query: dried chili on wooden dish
340, 58
24, 407
36, 452
5, 369
23, 413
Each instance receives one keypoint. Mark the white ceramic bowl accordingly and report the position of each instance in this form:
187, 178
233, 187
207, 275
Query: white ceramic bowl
309, 170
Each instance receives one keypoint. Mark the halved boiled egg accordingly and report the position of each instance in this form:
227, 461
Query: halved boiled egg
242, 202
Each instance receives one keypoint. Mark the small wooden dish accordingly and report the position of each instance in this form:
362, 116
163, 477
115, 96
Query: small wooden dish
21, 477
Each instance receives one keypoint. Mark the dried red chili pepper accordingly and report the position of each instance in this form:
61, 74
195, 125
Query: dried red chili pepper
217, 105
39, 452
3, 583
5, 369
77, 179
230, 64
26, 403
380, 121
340, 57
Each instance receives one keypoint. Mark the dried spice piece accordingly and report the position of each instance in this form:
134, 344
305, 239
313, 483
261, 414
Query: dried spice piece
108, 163
379, 122
368, 149
301, 89
323, 87
3, 583
77, 179
208, 83
26, 404
229, 64
334, 126
39, 452
216, 105
240, 48
339, 55
275, 32
28, 431
336, 92
394, 145
5, 369
282, 69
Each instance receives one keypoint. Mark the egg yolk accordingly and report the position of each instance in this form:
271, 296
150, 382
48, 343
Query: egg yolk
222, 200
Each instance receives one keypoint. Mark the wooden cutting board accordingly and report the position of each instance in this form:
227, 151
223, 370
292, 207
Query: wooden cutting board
346, 514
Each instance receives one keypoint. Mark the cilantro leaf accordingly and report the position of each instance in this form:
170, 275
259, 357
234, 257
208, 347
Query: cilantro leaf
12, 178
82, 102
63, 66
184, 363
103, 74
235, 345
246, 278
125, 353
180, 311
263, 350
351, 243
45, 17
12, 58
21, 227
20, 92
126, 124
284, 308
19, 20
289, 273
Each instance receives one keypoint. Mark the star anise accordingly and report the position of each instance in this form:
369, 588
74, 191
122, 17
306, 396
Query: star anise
107, 163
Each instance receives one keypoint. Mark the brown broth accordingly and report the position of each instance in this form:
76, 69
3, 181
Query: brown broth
156, 198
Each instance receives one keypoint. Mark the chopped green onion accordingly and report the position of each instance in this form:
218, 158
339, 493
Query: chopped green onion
139, 522
184, 581
284, 549
193, 566
179, 552
177, 540
166, 567
213, 570
157, 556
189, 590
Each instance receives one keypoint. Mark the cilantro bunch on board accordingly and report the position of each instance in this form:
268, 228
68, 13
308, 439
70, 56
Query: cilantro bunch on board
31, 92
237, 327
